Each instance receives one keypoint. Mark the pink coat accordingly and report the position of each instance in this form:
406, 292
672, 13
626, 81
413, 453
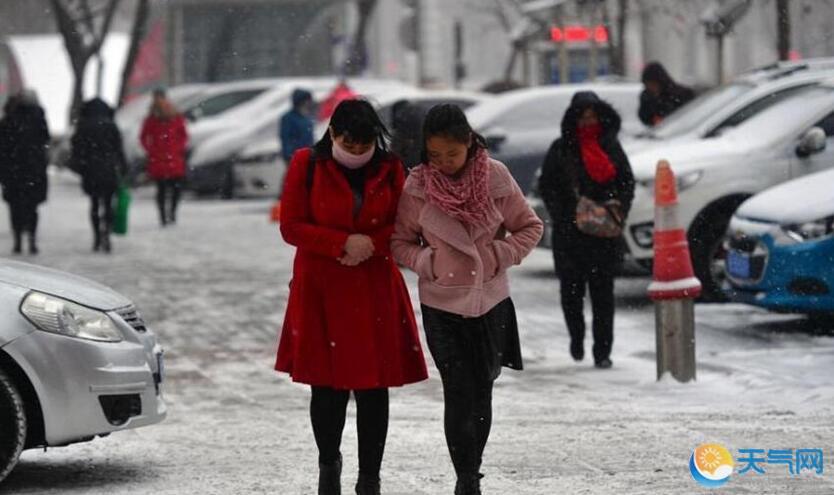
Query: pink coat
462, 270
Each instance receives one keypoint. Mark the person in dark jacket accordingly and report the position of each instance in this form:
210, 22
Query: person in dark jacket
661, 96
98, 156
589, 161
407, 132
296, 129
24, 140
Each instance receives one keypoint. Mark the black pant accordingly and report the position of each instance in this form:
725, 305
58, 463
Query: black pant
167, 199
328, 408
24, 217
101, 208
598, 276
467, 388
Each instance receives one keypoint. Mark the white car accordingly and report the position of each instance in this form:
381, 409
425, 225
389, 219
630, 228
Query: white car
520, 125
76, 362
731, 104
715, 175
258, 169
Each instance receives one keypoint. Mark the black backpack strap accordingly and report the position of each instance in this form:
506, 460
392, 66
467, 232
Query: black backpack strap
311, 169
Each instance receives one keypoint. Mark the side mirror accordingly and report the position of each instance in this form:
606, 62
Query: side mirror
813, 141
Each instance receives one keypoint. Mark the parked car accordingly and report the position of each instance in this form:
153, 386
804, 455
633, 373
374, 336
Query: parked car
780, 247
231, 163
196, 101
731, 104
520, 125
715, 175
76, 362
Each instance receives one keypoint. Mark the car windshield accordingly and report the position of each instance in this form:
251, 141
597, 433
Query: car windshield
695, 112
786, 117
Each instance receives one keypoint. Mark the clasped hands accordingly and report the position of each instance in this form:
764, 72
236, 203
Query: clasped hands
358, 248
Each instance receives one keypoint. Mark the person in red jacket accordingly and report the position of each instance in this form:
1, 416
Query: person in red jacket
339, 94
165, 138
349, 323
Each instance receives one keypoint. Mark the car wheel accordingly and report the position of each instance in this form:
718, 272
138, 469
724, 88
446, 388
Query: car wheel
709, 258
12, 425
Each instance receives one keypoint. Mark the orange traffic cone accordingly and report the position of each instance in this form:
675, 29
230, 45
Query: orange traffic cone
673, 275
275, 213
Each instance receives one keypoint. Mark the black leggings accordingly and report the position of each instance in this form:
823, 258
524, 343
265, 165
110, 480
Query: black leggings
101, 207
599, 278
467, 391
328, 408
167, 199
24, 216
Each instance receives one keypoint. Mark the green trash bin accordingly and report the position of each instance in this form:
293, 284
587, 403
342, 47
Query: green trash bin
122, 210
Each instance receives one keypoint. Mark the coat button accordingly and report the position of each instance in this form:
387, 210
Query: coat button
332, 344
474, 273
374, 221
451, 275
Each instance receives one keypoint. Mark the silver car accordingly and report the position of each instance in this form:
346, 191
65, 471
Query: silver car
76, 362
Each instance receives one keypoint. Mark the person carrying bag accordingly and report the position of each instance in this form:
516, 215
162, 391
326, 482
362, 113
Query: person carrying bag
587, 186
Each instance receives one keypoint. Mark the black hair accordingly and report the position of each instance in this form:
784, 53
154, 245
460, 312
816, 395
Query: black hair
358, 121
448, 121
654, 71
160, 91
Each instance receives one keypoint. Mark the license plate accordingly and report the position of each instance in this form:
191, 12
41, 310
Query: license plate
738, 264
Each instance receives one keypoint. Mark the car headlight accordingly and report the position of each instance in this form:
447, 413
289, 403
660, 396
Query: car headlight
56, 315
684, 181
804, 232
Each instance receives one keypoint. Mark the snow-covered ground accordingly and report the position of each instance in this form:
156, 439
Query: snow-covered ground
214, 288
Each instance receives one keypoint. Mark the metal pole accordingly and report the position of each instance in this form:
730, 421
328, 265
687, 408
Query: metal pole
675, 332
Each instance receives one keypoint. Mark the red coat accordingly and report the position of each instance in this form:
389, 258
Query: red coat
345, 327
165, 140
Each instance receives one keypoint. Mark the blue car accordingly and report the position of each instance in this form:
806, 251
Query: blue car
780, 247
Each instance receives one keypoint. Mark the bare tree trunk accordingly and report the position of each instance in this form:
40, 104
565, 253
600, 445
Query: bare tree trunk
616, 46
82, 39
783, 28
137, 35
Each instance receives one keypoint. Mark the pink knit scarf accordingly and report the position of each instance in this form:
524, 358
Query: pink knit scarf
465, 198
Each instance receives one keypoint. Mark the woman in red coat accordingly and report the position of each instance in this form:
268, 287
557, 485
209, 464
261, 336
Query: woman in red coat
165, 138
349, 324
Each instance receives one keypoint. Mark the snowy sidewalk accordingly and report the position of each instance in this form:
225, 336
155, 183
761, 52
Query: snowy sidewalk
214, 287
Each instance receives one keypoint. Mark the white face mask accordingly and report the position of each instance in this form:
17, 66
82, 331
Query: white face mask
349, 160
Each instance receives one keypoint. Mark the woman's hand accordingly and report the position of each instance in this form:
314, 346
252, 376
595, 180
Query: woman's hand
358, 248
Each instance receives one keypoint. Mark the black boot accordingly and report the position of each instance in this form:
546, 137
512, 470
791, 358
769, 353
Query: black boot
18, 241
330, 478
96, 242
468, 485
105, 242
367, 485
577, 349
33, 244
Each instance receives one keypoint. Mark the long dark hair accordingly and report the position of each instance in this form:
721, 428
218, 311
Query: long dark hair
448, 121
358, 121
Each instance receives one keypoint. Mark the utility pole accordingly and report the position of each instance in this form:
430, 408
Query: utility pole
430, 41
783, 28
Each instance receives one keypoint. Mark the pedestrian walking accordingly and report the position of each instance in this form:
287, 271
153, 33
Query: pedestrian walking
587, 166
406, 129
296, 126
165, 138
349, 324
662, 96
340, 93
462, 222
24, 142
98, 156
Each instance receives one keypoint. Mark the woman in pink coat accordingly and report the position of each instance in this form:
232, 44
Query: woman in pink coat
462, 222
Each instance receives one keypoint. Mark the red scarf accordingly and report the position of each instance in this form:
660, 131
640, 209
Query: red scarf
465, 198
597, 163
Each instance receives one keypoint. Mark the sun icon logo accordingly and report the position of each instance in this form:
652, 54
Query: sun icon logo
711, 465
